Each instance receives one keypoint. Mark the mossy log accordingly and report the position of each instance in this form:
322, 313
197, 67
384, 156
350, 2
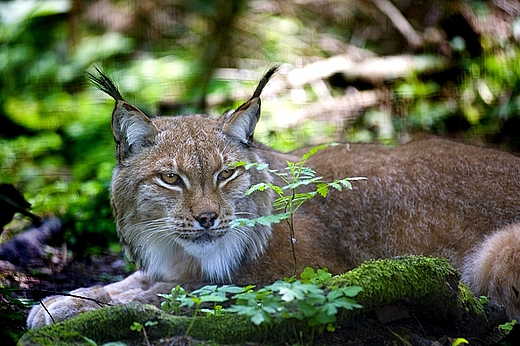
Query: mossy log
429, 286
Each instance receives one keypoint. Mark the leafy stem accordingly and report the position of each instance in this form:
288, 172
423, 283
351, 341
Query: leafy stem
300, 184
307, 299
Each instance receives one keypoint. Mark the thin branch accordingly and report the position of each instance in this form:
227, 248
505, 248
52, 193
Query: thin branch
100, 303
396, 17
47, 311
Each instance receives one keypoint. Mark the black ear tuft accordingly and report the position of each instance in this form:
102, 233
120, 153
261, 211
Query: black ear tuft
241, 123
133, 130
105, 84
263, 82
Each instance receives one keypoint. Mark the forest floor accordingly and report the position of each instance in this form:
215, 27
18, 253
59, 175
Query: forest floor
370, 329
35, 284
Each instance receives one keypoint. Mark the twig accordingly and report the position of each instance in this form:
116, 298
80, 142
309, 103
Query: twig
406, 342
146, 337
100, 303
68, 295
47, 311
396, 17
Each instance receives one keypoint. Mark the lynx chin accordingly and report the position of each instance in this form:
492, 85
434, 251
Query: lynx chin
175, 191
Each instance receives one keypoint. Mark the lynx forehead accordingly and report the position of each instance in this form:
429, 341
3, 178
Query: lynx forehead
194, 146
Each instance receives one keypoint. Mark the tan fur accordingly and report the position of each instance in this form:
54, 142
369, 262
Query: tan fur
492, 268
434, 198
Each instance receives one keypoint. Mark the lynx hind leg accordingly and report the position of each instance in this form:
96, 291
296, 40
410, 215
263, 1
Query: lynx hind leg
493, 269
60, 308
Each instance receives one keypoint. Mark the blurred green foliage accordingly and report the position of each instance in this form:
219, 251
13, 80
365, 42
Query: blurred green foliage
56, 143
55, 139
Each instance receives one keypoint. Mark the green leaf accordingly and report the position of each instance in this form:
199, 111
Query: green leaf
213, 299
307, 309
258, 187
238, 164
232, 289
241, 222
277, 189
321, 318
307, 274
346, 303
260, 317
307, 172
262, 166
323, 276
292, 168
346, 183
302, 182
313, 151
289, 294
459, 341
335, 184
204, 290
89, 341
262, 220
246, 298
282, 201
330, 309
136, 326
350, 291
322, 189
334, 294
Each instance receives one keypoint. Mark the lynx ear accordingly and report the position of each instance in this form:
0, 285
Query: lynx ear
241, 123
132, 129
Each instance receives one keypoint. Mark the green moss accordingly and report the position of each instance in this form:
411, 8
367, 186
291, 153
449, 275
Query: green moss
113, 324
431, 285
468, 301
384, 281
426, 281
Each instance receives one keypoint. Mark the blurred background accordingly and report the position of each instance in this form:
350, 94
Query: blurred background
386, 71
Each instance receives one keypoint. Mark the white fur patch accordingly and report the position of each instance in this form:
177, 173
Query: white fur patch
171, 257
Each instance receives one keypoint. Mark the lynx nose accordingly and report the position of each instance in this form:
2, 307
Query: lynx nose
206, 219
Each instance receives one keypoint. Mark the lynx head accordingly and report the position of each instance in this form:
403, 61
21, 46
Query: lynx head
174, 190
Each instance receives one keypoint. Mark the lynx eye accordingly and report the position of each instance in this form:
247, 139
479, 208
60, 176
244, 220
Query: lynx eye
225, 174
171, 179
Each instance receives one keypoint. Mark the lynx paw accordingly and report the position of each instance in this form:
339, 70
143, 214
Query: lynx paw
59, 308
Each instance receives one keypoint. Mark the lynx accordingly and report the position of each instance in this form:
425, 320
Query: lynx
175, 192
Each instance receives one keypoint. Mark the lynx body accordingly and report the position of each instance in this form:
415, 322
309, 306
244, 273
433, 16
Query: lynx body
175, 191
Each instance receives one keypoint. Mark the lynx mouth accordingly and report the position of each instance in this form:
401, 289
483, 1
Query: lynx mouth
205, 238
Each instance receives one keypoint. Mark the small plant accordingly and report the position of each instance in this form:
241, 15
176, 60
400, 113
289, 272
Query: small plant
301, 300
298, 300
459, 342
180, 301
483, 300
174, 300
507, 327
11, 313
138, 327
289, 200
320, 277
